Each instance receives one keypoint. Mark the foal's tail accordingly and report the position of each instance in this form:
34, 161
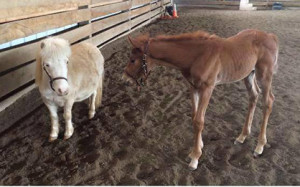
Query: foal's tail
276, 55
99, 91
275, 62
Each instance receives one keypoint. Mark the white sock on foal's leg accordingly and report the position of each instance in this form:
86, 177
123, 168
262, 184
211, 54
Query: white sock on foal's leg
193, 164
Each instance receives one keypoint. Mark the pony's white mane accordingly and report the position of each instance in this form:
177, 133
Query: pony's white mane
55, 48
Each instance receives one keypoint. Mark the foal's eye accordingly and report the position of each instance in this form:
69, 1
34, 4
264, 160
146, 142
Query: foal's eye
67, 62
132, 61
47, 65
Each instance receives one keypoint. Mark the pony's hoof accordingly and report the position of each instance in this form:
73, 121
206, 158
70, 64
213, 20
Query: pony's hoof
69, 132
193, 165
52, 139
67, 137
91, 115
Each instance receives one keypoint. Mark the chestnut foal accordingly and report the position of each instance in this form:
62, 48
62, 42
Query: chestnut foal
207, 60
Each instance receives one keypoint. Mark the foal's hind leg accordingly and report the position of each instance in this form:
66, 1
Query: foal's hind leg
268, 99
92, 105
253, 90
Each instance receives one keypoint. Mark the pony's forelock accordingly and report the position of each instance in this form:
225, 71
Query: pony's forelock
55, 48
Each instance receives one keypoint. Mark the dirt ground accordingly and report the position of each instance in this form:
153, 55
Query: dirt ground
144, 138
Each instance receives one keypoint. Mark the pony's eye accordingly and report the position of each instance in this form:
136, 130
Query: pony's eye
132, 61
47, 65
67, 62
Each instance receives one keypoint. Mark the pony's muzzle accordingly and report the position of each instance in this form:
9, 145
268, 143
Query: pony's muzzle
62, 93
61, 87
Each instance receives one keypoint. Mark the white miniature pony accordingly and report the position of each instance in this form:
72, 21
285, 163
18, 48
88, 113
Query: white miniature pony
66, 75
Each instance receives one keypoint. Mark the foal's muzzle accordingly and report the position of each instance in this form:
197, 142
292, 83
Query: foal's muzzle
129, 78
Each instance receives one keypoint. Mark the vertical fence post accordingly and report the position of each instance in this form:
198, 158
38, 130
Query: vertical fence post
149, 4
130, 7
161, 6
90, 21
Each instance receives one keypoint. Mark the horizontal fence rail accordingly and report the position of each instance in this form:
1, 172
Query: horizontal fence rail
234, 4
24, 23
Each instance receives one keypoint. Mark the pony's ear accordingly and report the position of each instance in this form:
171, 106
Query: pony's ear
135, 42
42, 45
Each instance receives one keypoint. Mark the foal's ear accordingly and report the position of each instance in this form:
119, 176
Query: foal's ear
135, 42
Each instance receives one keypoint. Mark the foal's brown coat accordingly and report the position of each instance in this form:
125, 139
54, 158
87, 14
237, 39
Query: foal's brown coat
207, 60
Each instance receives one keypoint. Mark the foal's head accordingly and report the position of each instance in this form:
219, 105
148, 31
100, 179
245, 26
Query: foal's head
138, 67
54, 58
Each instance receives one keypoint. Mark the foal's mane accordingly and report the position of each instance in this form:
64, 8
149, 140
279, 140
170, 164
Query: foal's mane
198, 35
184, 36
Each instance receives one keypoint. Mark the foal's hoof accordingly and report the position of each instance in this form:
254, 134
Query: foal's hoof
258, 151
193, 165
240, 139
236, 142
256, 154
191, 168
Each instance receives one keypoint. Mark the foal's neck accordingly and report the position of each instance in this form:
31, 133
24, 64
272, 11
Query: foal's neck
170, 53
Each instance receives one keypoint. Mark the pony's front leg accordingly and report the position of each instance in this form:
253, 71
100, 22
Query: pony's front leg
68, 119
198, 123
54, 122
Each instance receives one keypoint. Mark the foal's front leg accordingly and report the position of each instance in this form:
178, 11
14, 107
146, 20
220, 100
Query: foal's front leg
54, 122
68, 119
198, 123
